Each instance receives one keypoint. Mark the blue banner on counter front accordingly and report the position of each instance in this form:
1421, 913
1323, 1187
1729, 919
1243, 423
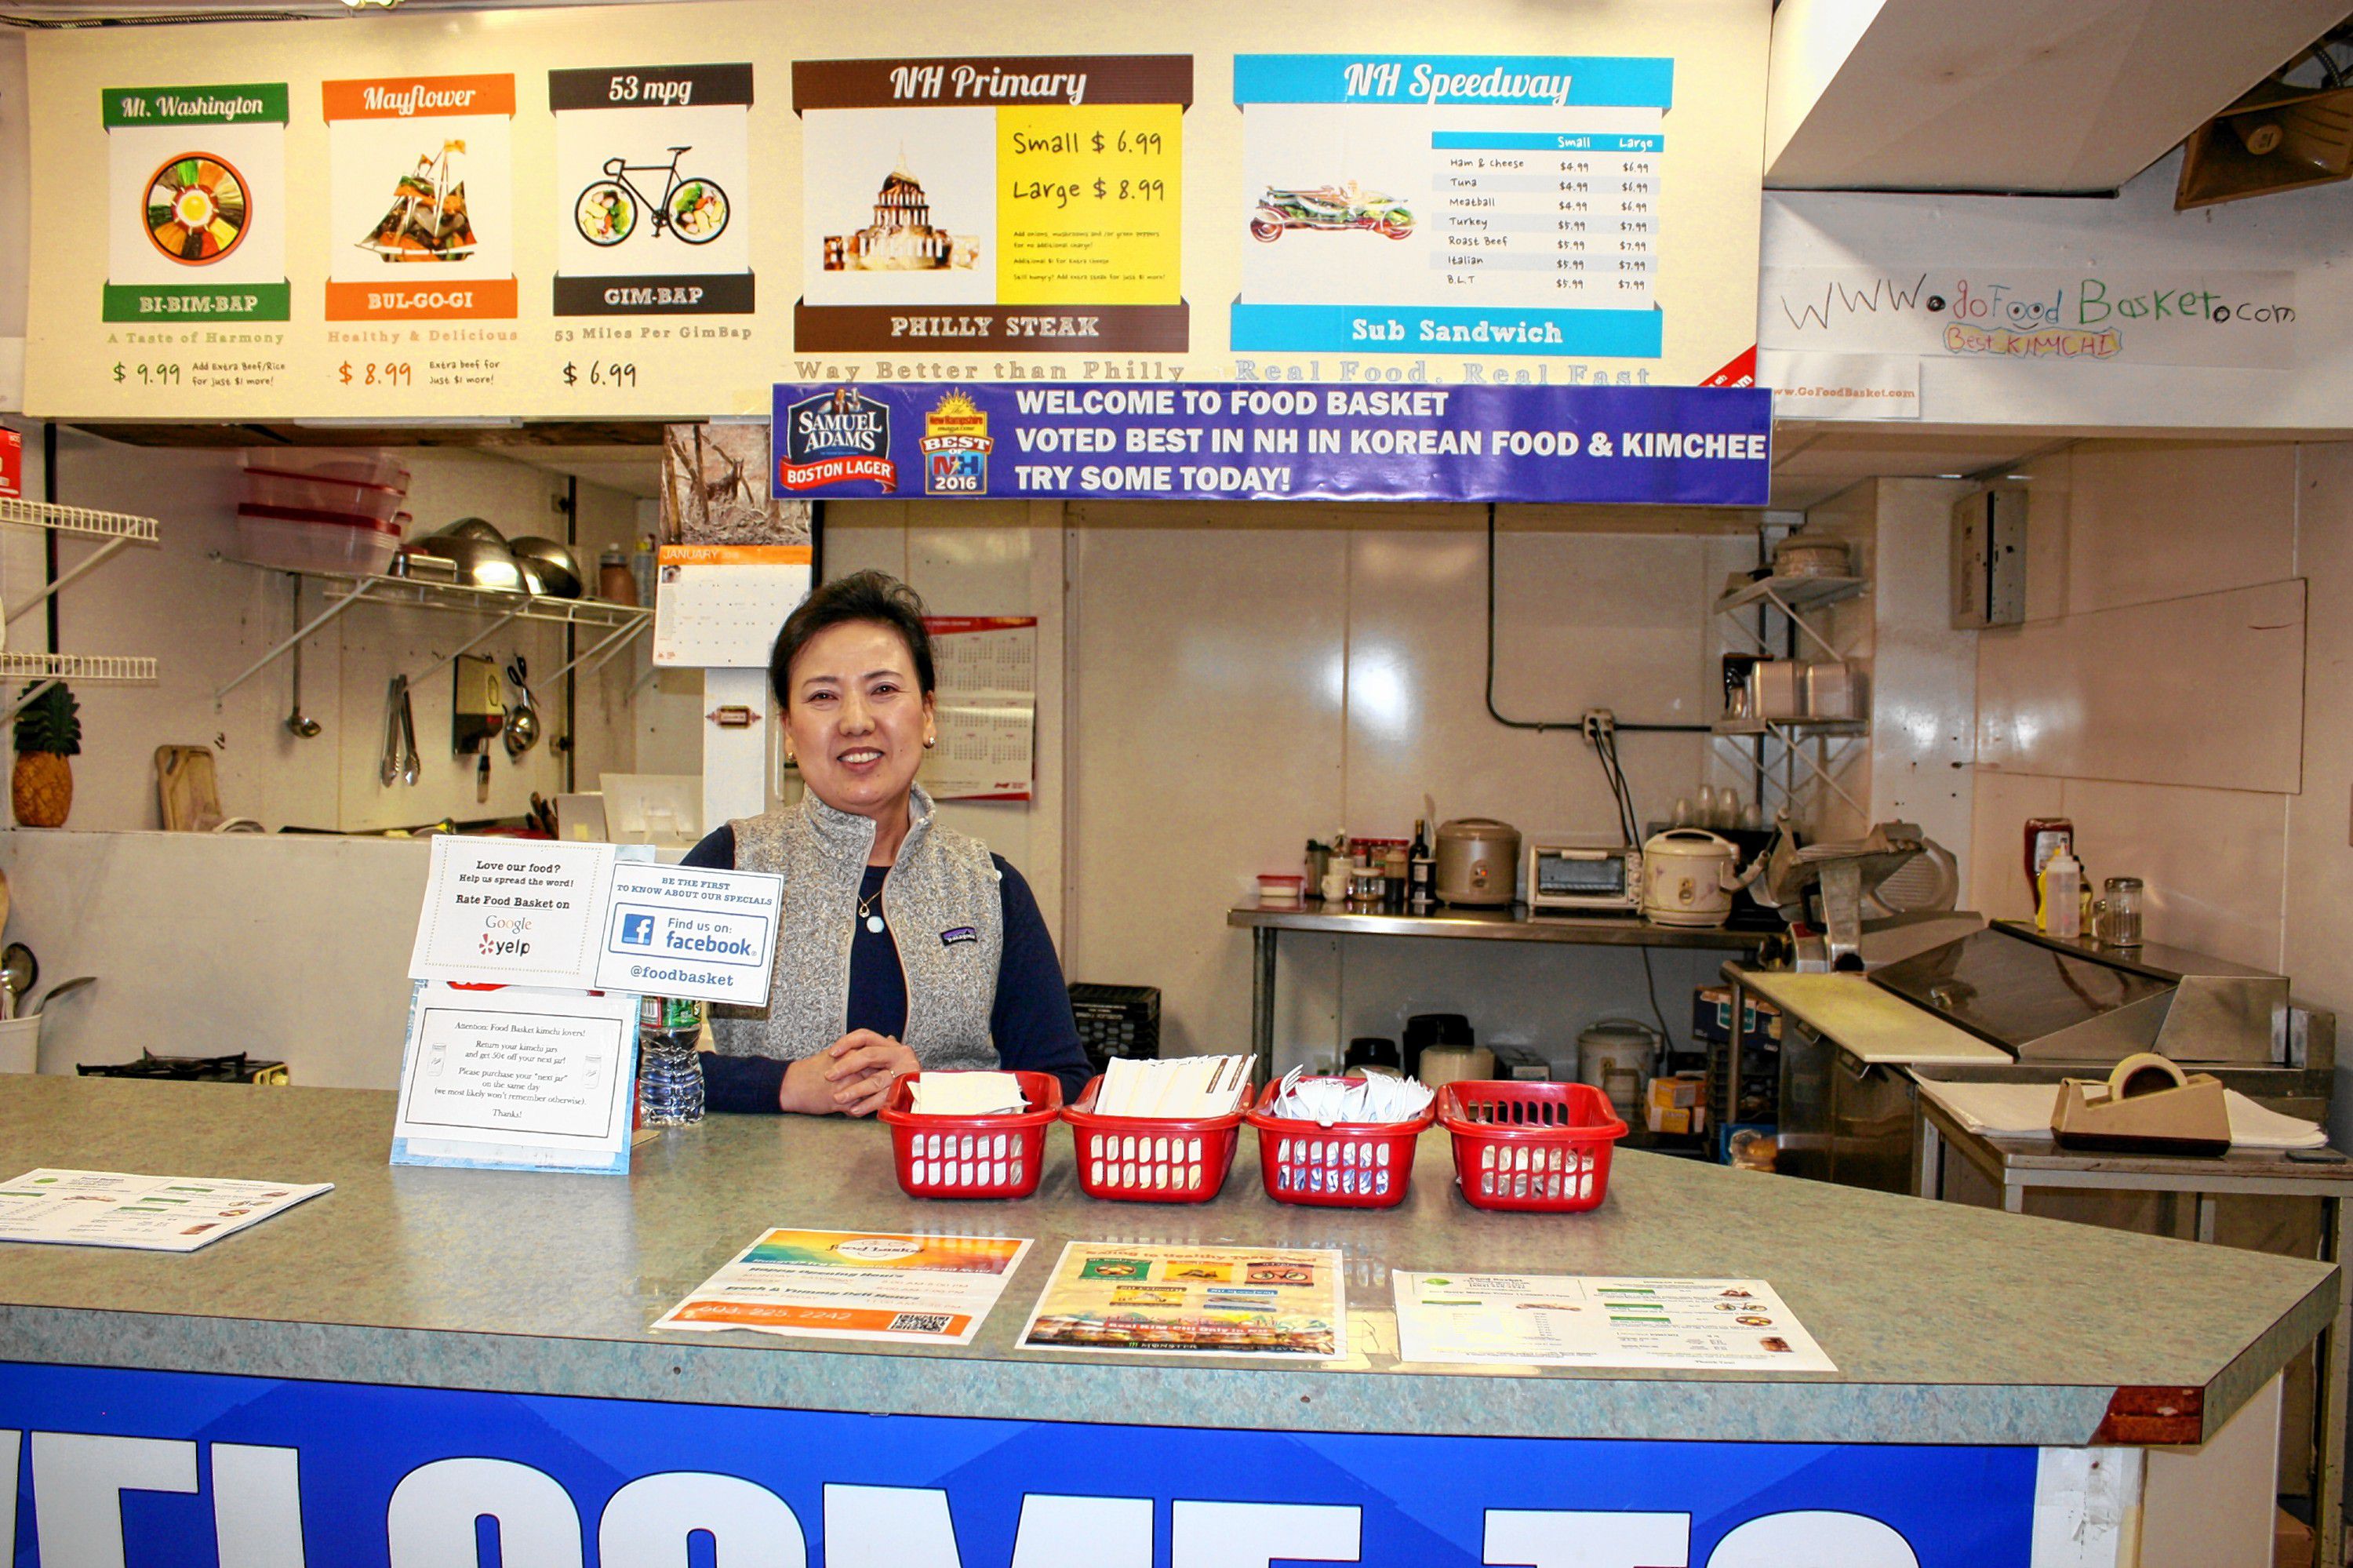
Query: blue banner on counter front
190, 1470
1681, 446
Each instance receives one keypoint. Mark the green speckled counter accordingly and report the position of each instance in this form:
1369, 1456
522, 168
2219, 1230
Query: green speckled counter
1948, 1324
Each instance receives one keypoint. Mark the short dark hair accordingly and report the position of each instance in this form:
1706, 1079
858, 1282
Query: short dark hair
870, 596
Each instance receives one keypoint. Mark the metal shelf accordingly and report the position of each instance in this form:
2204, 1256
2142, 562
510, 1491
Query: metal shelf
1792, 594
116, 531
1802, 728
623, 623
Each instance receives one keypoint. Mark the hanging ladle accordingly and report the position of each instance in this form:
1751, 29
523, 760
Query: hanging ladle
302, 725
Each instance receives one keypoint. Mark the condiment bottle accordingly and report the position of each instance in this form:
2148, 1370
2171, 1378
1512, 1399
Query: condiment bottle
615, 584
1394, 872
1421, 870
2062, 894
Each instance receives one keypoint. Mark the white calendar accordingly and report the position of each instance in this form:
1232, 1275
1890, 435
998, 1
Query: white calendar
720, 606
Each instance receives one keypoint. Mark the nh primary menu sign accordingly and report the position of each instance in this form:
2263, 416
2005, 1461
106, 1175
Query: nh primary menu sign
668, 209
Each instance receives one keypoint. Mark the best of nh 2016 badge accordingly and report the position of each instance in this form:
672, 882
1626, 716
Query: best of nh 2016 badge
834, 438
956, 447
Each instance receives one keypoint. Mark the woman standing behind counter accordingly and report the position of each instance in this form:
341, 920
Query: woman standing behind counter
904, 944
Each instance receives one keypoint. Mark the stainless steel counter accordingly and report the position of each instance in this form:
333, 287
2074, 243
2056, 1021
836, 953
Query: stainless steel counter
1515, 923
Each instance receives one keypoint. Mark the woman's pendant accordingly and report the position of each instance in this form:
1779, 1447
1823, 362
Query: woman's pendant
874, 924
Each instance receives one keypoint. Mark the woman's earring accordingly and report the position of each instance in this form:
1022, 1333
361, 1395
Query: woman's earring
930, 741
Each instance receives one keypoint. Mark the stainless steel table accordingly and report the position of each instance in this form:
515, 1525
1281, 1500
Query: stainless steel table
2016, 1164
1513, 924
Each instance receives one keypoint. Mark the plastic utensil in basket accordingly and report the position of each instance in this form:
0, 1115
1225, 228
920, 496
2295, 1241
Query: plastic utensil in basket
1535, 1148
1151, 1160
1348, 1165
972, 1156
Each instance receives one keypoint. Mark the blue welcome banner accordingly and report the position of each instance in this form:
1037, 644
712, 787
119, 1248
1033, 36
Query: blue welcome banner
189, 1471
1680, 446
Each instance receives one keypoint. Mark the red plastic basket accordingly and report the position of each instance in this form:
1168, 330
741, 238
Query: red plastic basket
1533, 1148
1151, 1160
972, 1156
1349, 1165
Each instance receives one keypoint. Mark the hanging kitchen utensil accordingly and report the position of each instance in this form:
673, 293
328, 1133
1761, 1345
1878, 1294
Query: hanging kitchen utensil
522, 729
408, 735
388, 768
300, 725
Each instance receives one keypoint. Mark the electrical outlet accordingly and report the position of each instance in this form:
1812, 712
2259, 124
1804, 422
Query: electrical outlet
1599, 722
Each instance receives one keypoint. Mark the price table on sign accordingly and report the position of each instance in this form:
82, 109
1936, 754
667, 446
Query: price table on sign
617, 374
1547, 217
376, 373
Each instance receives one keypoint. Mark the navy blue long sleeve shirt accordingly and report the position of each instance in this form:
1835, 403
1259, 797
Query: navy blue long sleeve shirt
1030, 1020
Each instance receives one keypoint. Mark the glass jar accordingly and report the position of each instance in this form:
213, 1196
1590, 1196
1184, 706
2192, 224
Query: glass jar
2119, 914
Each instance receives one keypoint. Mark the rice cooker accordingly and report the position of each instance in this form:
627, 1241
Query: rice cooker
1615, 1056
1689, 876
1478, 858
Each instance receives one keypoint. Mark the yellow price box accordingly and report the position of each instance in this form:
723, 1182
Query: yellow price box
1089, 205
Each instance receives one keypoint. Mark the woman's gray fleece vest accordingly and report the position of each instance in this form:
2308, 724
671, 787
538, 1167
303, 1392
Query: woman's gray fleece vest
947, 915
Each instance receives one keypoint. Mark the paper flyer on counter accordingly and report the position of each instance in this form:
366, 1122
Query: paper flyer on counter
855, 1284
151, 1213
1546, 1319
1195, 1301
512, 1076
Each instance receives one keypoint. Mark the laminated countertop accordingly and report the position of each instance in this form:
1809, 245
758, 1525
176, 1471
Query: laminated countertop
1948, 1324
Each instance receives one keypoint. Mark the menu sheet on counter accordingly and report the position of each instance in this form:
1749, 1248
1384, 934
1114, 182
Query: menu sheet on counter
855, 1284
151, 1214
1195, 1300
1540, 1320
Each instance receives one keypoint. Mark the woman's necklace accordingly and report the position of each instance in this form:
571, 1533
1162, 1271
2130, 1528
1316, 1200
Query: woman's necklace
872, 918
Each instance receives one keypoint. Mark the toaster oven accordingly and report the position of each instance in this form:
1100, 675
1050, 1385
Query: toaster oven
1591, 875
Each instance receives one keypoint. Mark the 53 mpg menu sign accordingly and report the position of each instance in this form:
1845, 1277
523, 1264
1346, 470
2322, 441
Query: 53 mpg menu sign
510, 215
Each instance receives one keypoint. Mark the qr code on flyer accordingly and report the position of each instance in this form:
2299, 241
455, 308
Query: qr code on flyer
920, 1323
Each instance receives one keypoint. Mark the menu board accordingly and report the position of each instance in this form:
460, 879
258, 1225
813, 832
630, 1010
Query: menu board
511, 215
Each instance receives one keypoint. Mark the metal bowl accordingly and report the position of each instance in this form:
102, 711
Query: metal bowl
483, 563
472, 528
550, 563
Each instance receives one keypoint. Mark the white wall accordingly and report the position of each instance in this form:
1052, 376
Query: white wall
2179, 689
205, 616
1239, 691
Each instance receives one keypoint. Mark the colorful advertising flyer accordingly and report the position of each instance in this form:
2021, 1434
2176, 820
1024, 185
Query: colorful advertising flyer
1193, 1301
1689, 446
653, 182
961, 206
513, 1076
1535, 1320
855, 1284
196, 204
1419, 204
421, 213
151, 1213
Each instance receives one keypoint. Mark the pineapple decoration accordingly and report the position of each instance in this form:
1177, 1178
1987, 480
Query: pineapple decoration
49, 730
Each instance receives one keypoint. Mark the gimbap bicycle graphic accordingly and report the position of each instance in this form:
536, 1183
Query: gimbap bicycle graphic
692, 207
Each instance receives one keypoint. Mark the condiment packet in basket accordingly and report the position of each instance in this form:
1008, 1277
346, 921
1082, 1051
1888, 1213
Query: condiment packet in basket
1375, 1098
966, 1094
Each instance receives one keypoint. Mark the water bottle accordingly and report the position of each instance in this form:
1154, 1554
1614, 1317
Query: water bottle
669, 1071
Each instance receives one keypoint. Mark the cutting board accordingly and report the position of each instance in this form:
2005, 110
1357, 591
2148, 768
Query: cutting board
186, 789
1870, 1024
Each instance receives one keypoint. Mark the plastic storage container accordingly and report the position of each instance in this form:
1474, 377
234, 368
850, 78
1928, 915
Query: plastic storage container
324, 511
972, 1156
1531, 1147
1348, 1165
354, 547
1151, 1160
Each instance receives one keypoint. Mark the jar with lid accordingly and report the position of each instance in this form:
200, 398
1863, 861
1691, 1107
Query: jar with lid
615, 584
1367, 885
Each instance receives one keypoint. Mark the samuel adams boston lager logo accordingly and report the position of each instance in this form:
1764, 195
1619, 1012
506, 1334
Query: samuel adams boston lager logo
836, 436
956, 447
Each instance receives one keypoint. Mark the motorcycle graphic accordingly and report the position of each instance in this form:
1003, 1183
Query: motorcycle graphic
1329, 208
